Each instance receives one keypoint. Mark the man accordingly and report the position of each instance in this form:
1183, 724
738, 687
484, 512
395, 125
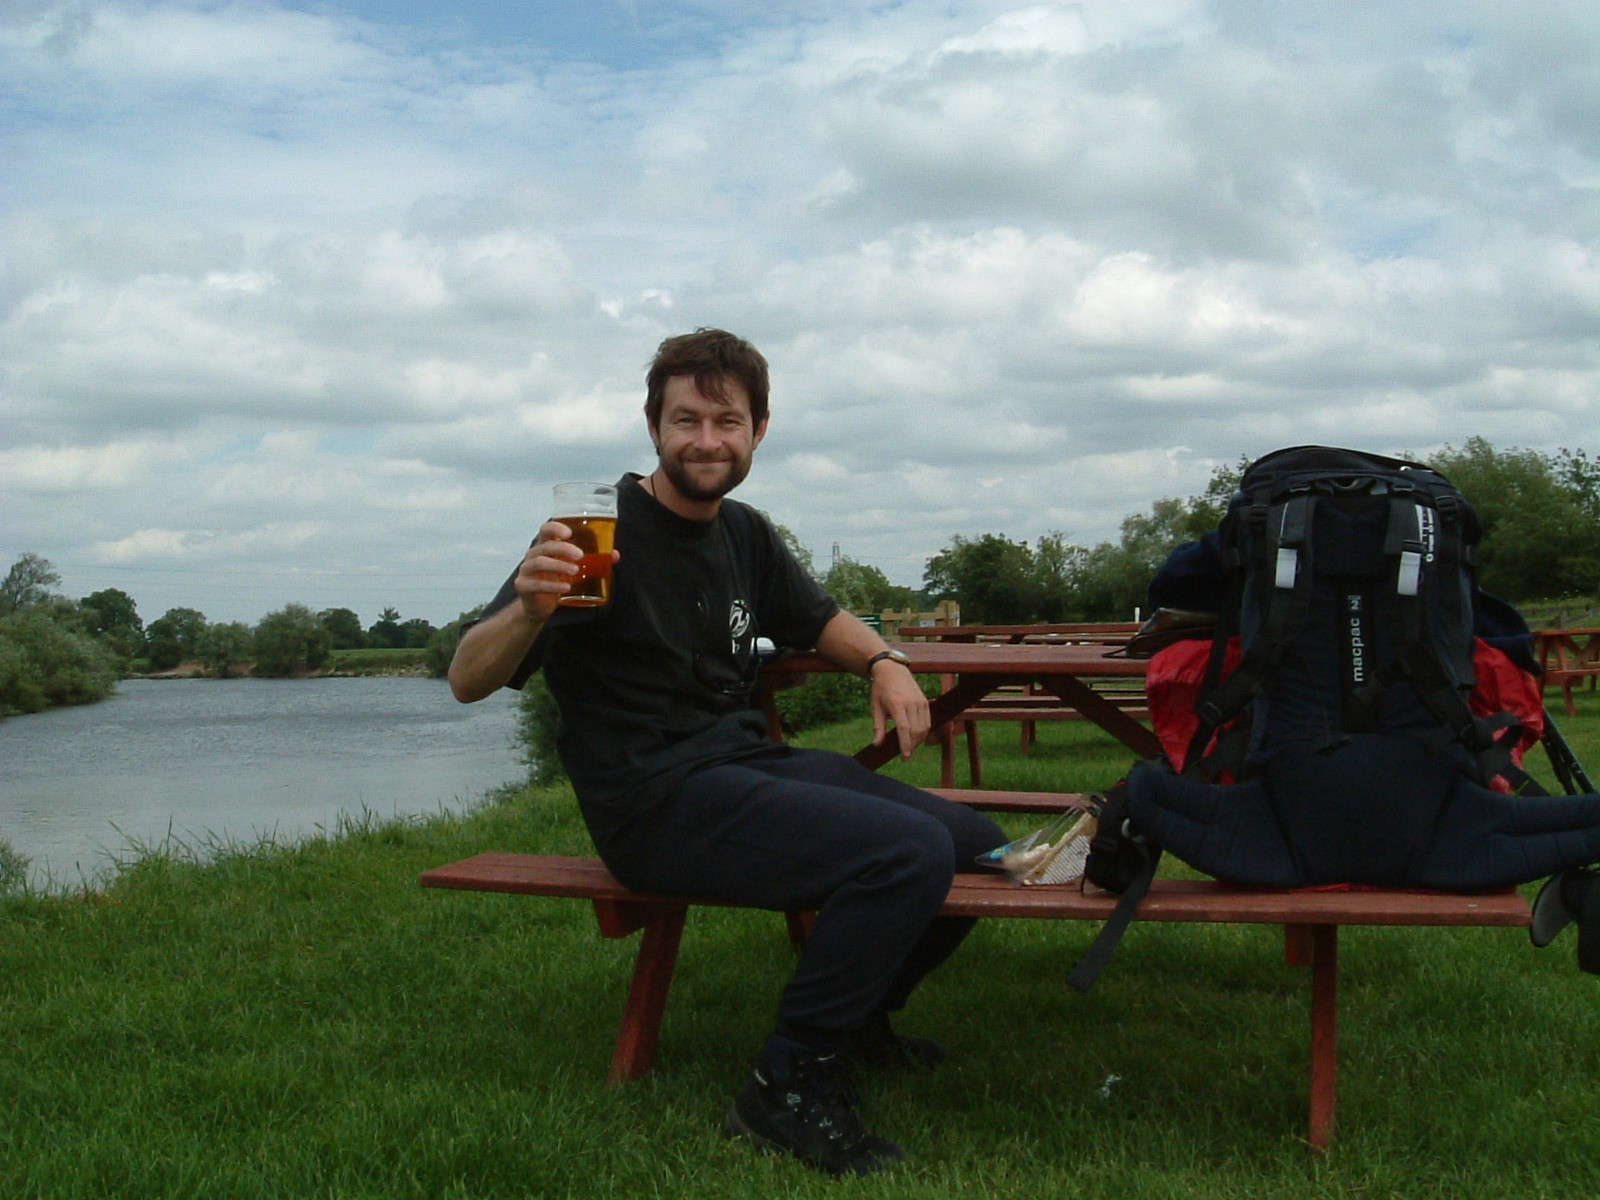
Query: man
679, 786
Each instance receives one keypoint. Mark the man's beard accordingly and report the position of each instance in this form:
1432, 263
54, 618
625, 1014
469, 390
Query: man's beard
737, 469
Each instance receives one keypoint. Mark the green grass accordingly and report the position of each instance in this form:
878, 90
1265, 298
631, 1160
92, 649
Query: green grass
380, 661
306, 1022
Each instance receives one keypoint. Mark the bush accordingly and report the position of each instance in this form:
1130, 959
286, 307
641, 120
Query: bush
225, 645
370, 662
164, 653
174, 636
21, 689
537, 721
13, 869
824, 699
442, 645
45, 662
290, 641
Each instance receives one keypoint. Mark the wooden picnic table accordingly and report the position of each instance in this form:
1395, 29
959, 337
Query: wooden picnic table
1310, 919
1568, 656
1025, 706
973, 670
1310, 922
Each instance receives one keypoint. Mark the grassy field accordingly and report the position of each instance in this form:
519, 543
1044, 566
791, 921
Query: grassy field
306, 1022
378, 662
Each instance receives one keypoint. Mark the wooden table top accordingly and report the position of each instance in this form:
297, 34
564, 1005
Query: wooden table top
1084, 631
1037, 659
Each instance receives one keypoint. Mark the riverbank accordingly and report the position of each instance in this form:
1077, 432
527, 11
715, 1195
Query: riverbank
306, 1021
345, 664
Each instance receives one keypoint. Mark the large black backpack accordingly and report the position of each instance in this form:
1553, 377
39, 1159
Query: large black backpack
1350, 581
1341, 749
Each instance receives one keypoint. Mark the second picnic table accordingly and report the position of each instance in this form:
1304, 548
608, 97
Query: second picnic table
973, 670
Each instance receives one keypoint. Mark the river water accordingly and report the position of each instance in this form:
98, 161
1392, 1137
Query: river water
236, 761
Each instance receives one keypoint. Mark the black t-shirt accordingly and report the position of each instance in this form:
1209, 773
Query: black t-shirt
657, 683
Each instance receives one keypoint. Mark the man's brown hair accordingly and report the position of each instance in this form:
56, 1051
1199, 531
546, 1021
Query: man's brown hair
712, 356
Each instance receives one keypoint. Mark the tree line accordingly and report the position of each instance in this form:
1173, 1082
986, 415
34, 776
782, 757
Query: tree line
55, 650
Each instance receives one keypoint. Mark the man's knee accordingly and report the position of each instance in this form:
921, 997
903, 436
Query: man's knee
919, 857
974, 835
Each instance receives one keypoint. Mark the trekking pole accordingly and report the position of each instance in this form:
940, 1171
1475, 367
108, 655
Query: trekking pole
1565, 763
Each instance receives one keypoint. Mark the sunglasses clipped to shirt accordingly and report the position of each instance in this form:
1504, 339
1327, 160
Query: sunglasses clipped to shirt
713, 668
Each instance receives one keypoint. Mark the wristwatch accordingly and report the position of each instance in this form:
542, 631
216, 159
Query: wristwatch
892, 655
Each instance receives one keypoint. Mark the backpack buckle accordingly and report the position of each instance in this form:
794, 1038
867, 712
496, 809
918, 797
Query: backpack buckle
1288, 567
1409, 581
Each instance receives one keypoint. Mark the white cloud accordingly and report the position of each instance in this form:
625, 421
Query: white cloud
89, 469
340, 301
147, 545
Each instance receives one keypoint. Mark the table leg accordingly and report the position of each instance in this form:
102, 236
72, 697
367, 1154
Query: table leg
946, 708
1298, 945
947, 741
799, 925
647, 996
1324, 1034
1079, 695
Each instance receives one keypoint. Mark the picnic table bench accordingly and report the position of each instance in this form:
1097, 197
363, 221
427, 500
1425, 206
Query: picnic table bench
1310, 919
1568, 657
1027, 704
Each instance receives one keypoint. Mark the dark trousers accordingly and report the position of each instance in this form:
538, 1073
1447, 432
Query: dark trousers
800, 830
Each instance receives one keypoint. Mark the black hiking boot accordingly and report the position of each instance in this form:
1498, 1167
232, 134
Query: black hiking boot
1571, 896
811, 1115
877, 1046
1559, 903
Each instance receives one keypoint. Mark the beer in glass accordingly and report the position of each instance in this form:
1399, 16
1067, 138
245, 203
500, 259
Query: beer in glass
590, 511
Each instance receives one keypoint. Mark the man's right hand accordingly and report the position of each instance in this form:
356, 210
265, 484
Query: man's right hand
548, 570
490, 652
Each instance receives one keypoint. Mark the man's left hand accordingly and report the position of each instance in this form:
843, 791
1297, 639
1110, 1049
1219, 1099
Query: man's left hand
896, 697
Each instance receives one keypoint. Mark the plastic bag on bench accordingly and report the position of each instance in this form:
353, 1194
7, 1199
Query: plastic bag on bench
1055, 854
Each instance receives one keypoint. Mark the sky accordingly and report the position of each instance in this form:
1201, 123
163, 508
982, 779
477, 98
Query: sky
314, 301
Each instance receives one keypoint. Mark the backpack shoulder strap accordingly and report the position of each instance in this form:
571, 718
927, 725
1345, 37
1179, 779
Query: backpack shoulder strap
1120, 859
1427, 546
1275, 569
1105, 942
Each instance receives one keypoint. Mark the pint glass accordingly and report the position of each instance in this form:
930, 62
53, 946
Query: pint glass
590, 511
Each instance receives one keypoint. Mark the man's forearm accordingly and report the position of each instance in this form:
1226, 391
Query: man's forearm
491, 651
847, 642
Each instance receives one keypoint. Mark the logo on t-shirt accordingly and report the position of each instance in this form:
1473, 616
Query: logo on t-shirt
738, 622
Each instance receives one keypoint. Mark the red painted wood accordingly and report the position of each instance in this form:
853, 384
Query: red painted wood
1028, 660
979, 668
619, 918
635, 1050
1044, 803
799, 924
1297, 945
1208, 900
1324, 1035
1108, 632
996, 896
1116, 721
